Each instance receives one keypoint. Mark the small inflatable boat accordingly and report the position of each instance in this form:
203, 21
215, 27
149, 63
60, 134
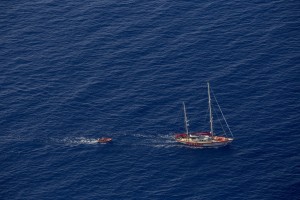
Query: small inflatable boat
104, 140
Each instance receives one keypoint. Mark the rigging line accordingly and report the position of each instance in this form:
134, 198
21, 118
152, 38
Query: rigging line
222, 113
219, 120
205, 119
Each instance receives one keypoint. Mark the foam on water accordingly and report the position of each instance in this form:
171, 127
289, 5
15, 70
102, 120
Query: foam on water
78, 141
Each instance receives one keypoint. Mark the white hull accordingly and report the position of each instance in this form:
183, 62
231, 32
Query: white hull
212, 143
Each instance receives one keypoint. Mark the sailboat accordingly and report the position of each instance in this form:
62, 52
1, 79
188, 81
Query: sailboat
207, 138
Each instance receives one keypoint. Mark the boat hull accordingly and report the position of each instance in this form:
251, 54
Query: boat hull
104, 140
205, 142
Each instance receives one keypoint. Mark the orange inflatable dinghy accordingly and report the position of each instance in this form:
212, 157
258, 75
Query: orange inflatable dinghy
104, 140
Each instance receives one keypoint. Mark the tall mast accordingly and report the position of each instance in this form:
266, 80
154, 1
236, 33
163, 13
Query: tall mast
185, 121
210, 111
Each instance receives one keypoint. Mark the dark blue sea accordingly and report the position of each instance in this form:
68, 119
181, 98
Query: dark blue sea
74, 71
